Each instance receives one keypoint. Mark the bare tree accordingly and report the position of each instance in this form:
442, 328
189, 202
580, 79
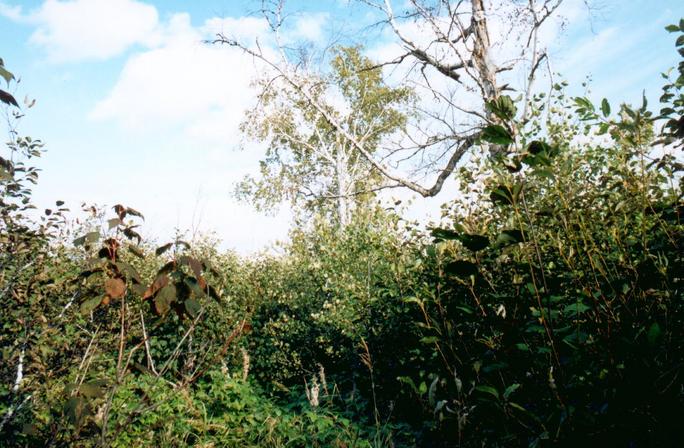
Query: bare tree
465, 57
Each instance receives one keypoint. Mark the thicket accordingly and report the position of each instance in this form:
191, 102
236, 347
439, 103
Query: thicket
546, 309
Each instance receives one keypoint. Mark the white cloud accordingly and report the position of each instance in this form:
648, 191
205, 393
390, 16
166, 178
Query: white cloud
185, 84
310, 27
91, 29
11, 12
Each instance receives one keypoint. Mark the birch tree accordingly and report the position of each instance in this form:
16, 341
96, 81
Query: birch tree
309, 161
473, 63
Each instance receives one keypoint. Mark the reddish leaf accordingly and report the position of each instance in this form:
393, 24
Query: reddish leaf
130, 234
168, 267
134, 212
115, 287
160, 250
196, 267
159, 283
120, 210
8, 99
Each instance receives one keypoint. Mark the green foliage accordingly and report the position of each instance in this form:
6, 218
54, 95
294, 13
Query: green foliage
672, 98
321, 301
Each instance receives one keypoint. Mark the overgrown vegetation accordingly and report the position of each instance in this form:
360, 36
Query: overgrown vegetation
546, 310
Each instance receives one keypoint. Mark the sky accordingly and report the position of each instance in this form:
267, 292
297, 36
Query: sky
135, 109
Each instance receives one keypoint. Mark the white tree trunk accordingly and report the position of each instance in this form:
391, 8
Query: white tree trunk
344, 201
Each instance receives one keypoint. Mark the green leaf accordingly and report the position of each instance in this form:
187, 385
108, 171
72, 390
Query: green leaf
584, 103
445, 234
461, 268
193, 307
113, 223
6, 75
474, 242
93, 389
537, 147
75, 410
89, 305
511, 236
136, 251
644, 101
407, 380
680, 41
503, 107
488, 390
653, 333
510, 389
412, 299
429, 340
575, 309
90, 237
129, 271
672, 28
164, 299
517, 406
194, 286
505, 194
496, 134
605, 107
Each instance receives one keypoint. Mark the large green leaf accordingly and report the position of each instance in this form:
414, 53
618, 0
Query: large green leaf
461, 268
496, 134
164, 298
510, 236
488, 390
445, 234
505, 194
474, 242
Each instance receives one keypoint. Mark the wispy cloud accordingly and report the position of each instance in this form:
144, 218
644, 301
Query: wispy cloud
185, 85
11, 12
71, 31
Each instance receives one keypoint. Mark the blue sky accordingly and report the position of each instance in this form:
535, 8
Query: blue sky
135, 109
